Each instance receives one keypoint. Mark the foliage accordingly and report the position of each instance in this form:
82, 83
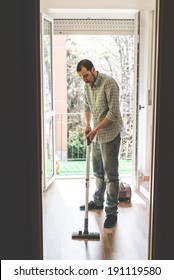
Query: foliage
76, 145
114, 56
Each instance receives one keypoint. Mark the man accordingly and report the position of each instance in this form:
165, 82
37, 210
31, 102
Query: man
102, 105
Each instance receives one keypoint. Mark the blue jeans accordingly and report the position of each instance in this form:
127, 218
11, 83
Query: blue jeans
105, 167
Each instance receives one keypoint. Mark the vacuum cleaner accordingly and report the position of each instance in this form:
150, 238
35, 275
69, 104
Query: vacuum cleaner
85, 234
125, 192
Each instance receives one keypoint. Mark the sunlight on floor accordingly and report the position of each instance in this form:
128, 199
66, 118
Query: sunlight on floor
137, 199
72, 191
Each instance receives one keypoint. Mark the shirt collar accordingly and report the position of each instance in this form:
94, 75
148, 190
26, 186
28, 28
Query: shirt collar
97, 80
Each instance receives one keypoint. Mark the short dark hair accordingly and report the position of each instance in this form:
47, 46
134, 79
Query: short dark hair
84, 63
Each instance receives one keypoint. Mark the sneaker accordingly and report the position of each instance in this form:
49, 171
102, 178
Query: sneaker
91, 206
110, 221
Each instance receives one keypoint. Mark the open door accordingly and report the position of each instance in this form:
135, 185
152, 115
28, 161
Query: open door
48, 112
143, 105
136, 100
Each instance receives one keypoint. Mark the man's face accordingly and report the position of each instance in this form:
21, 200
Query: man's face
87, 76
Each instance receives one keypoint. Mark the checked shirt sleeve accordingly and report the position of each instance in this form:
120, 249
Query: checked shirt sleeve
112, 95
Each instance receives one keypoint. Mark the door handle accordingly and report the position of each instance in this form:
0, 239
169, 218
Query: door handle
141, 107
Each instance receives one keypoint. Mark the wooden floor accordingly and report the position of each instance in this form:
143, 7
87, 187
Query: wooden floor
61, 217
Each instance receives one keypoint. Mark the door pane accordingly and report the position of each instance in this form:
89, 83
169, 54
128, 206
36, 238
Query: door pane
49, 148
47, 44
48, 114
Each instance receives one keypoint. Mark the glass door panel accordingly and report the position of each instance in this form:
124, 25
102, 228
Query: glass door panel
49, 155
48, 113
47, 51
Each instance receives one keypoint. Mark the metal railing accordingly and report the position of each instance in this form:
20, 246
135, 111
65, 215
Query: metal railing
70, 144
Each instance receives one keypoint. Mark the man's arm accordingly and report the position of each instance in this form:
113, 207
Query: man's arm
102, 124
87, 122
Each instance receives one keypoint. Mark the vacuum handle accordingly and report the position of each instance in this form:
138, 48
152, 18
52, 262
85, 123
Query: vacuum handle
88, 140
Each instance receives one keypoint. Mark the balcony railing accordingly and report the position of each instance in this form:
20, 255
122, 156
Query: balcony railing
70, 144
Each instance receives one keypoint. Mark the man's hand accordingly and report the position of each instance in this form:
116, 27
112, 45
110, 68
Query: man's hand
87, 130
91, 135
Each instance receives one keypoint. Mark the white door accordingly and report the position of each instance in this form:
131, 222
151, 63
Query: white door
135, 110
48, 112
143, 108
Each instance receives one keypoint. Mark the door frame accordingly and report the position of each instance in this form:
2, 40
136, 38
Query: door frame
135, 173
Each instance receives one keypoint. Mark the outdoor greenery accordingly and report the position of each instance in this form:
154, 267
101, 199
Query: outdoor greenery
76, 144
113, 55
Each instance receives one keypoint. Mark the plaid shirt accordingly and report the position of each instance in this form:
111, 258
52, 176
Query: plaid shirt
102, 100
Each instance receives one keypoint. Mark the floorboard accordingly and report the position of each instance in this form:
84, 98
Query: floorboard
61, 217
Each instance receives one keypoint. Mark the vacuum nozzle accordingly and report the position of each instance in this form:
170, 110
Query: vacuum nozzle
86, 235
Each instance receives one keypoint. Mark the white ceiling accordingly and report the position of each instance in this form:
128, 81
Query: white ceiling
97, 4
95, 9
